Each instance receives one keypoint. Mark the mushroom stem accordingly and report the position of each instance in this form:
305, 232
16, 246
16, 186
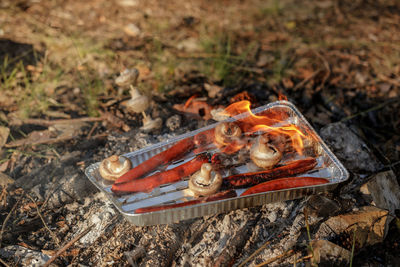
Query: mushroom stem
205, 182
263, 154
205, 173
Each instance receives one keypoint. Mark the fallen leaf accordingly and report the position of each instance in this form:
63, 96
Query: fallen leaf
4, 132
5, 180
49, 252
33, 138
213, 90
197, 108
56, 133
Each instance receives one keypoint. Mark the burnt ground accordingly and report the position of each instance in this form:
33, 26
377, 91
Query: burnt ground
336, 61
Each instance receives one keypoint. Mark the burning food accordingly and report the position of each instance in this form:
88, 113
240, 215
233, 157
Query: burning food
165, 177
206, 181
176, 151
257, 152
263, 154
113, 167
226, 133
284, 183
252, 178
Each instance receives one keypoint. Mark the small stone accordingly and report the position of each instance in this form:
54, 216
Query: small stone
132, 30
369, 223
189, 45
329, 254
383, 190
174, 122
5, 180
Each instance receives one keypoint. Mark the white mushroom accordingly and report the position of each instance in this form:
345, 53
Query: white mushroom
206, 181
113, 167
151, 125
127, 78
263, 154
226, 133
138, 102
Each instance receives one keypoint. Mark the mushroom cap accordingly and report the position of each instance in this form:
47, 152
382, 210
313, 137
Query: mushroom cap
127, 77
206, 181
138, 102
150, 125
226, 133
113, 167
263, 154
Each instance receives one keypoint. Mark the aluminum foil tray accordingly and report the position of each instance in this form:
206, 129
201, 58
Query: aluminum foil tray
328, 167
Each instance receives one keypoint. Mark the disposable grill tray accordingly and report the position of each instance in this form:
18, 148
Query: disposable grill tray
328, 167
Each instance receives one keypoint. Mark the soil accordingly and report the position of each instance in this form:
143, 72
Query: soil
336, 61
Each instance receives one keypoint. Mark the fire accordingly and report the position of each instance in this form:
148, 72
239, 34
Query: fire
282, 97
264, 123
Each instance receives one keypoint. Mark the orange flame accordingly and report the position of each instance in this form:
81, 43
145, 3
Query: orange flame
254, 123
282, 97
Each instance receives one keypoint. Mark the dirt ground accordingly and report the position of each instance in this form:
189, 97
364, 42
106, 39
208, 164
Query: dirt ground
336, 60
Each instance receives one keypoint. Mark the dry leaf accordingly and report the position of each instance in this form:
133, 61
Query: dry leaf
4, 132
213, 90
34, 138
196, 107
5, 180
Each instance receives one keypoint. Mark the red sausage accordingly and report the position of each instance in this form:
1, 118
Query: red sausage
284, 183
217, 196
179, 149
149, 183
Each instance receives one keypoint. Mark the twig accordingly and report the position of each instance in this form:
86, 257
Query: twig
55, 238
43, 122
382, 105
92, 130
352, 247
308, 234
9, 216
304, 258
306, 80
328, 71
4, 263
255, 253
284, 255
68, 245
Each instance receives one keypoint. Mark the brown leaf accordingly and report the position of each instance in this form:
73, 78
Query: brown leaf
213, 90
34, 138
4, 132
197, 108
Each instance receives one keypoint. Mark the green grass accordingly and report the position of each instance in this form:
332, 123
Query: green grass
222, 64
74, 62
